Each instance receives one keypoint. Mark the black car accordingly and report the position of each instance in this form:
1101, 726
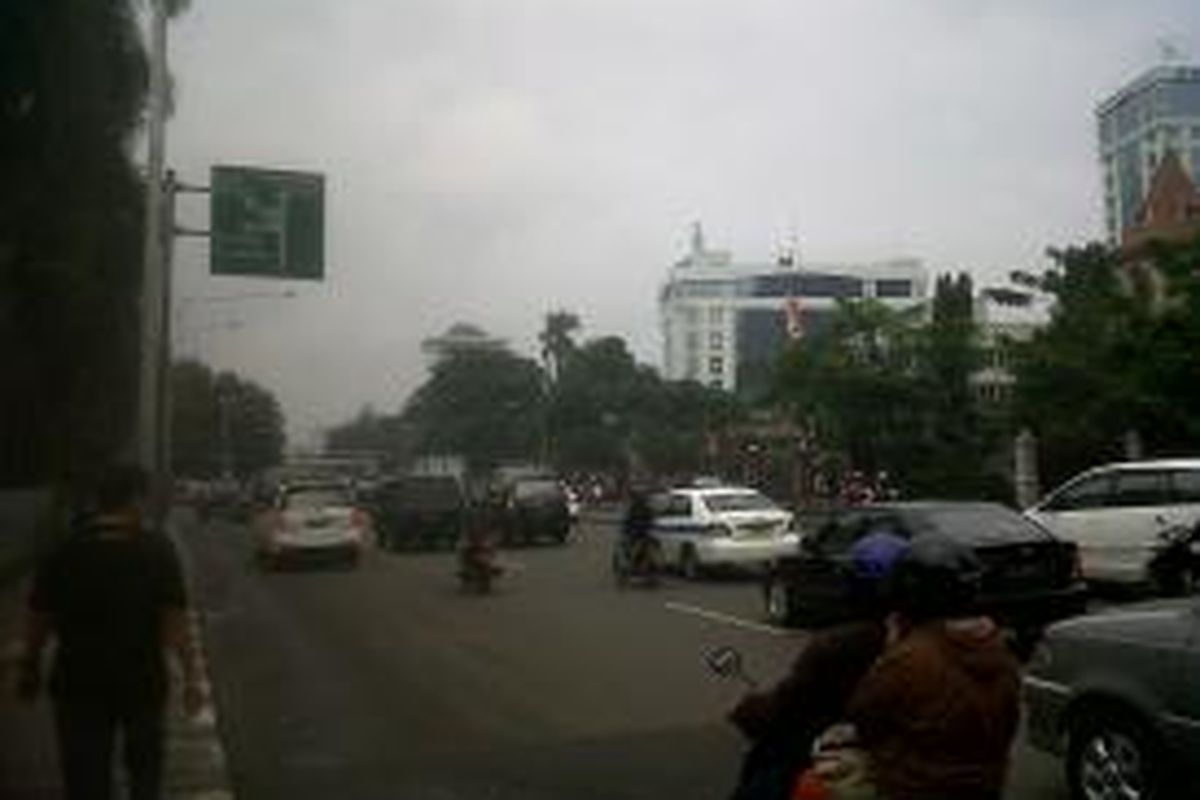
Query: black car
419, 511
536, 508
1030, 577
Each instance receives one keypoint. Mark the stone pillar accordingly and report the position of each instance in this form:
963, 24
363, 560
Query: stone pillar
1025, 471
1134, 449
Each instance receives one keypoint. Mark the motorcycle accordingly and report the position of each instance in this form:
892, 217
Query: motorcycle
477, 566
1175, 569
637, 560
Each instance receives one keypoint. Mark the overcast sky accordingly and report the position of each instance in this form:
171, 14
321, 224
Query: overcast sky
490, 160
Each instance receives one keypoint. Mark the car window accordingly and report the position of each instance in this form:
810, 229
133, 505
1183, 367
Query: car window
676, 505
1087, 493
1185, 486
738, 501
841, 531
1134, 488
975, 524
305, 499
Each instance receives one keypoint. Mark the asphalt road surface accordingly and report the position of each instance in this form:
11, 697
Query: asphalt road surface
387, 682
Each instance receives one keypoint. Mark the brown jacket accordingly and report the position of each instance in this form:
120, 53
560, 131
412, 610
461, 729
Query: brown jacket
938, 712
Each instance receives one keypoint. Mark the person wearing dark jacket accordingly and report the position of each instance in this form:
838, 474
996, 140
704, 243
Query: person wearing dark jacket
114, 598
784, 721
937, 713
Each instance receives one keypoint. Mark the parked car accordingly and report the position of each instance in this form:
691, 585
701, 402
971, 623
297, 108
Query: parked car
1116, 695
419, 511
313, 523
1030, 577
707, 527
535, 508
1124, 517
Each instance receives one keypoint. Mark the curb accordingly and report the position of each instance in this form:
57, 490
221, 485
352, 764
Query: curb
197, 764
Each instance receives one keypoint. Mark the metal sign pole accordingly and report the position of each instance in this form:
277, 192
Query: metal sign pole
153, 287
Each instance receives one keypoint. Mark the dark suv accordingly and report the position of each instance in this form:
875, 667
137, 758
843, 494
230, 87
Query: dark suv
1030, 577
536, 508
419, 511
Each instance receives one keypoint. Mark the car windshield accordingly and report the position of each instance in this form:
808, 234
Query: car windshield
738, 501
977, 524
316, 498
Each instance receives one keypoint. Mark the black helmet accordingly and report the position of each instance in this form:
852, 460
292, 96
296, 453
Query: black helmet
936, 578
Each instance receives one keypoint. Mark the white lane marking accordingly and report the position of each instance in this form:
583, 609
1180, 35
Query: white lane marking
728, 619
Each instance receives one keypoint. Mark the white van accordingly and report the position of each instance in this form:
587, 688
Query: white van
1116, 514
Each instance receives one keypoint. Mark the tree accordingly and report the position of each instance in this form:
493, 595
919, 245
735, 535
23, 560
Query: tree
1121, 353
855, 385
72, 88
556, 341
485, 405
222, 421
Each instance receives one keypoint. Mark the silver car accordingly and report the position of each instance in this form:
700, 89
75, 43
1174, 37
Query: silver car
1117, 694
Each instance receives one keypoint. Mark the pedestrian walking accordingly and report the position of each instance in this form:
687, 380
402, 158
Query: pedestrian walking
113, 598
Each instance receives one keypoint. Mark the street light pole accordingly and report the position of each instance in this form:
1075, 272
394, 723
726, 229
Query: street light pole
154, 287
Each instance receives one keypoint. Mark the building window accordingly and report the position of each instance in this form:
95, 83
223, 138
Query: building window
716, 316
716, 383
693, 341
716, 366
693, 369
893, 287
716, 340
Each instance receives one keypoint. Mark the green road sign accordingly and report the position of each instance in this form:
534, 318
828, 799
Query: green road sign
267, 223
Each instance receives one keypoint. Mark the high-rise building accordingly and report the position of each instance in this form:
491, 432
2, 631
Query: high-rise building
1157, 113
725, 323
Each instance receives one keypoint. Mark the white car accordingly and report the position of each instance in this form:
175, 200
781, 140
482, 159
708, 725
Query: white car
720, 526
1120, 515
311, 523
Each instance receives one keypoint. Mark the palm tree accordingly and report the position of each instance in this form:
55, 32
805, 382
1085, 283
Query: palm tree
557, 344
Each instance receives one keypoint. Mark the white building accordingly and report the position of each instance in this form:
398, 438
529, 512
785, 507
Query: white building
1001, 327
725, 323
1157, 112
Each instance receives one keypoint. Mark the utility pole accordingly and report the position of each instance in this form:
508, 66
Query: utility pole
154, 286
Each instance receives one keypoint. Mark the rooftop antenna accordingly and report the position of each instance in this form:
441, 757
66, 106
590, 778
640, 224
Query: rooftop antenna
697, 238
1170, 50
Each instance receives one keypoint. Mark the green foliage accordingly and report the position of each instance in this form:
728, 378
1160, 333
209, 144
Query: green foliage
556, 341
485, 405
1121, 353
219, 417
891, 392
72, 81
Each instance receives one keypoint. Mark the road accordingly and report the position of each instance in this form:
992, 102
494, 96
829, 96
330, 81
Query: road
386, 682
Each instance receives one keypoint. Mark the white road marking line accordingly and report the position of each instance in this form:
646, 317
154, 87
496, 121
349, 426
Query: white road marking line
728, 619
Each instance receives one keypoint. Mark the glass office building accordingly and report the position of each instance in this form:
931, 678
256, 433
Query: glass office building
1159, 111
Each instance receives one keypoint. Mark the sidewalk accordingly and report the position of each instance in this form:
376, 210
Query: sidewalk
196, 764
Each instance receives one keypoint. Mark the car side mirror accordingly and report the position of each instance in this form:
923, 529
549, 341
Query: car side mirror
726, 662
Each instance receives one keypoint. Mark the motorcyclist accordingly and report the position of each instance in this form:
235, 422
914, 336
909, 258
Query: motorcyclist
477, 551
937, 712
635, 531
784, 721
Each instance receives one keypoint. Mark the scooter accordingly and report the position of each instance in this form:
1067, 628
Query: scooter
639, 561
1175, 569
477, 566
